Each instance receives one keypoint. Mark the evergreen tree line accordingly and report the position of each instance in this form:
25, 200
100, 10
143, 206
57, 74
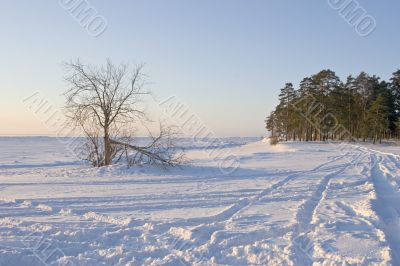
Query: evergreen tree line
325, 108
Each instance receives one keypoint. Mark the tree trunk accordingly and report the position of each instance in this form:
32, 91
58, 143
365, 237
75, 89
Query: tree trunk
107, 147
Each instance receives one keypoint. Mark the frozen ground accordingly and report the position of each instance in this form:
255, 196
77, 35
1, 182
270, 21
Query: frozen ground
291, 204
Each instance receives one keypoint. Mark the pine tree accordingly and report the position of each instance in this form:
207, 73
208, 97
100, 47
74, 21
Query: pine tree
286, 98
377, 118
307, 91
270, 124
395, 93
365, 87
326, 81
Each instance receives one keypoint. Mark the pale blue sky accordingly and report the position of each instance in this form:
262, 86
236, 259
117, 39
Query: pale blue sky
225, 59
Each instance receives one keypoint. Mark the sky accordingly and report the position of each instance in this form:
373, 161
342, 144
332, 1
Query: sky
226, 60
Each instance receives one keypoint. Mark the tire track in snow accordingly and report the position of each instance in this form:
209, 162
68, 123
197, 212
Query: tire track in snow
220, 221
241, 206
387, 207
394, 160
301, 244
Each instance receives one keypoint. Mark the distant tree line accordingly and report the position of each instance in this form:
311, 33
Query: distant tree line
325, 108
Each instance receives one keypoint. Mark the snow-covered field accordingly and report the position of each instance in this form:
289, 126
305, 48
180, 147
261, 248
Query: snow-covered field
290, 204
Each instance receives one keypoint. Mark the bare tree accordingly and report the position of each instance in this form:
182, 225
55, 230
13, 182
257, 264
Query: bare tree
105, 103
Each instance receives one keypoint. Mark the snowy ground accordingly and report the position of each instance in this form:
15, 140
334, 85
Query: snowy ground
291, 204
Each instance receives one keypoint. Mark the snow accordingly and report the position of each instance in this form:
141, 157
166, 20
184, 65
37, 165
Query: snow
291, 204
